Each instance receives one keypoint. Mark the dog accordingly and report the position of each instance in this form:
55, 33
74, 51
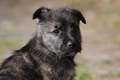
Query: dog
49, 55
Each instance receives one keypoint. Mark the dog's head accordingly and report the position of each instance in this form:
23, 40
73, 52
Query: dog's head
59, 29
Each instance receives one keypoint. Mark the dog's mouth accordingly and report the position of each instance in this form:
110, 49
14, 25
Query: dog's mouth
72, 53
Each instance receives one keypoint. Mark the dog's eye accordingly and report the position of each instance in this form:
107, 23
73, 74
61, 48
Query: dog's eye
76, 27
56, 31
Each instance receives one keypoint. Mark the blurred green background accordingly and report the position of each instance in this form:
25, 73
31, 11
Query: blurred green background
100, 57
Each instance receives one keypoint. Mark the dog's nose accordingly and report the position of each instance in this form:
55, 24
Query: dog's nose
70, 44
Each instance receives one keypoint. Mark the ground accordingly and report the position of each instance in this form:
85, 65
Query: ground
100, 57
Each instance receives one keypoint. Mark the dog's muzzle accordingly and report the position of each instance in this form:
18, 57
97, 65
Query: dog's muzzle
72, 48
70, 44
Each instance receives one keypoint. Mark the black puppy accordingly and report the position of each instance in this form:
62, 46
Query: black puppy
49, 54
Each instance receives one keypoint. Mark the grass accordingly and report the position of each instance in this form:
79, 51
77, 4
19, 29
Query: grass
87, 74
111, 75
104, 64
8, 42
10, 45
84, 74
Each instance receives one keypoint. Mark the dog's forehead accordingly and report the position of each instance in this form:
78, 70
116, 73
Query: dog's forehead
63, 15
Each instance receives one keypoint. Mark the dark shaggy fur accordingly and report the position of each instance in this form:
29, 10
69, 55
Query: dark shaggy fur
49, 54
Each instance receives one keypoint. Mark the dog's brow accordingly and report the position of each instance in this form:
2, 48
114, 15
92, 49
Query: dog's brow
73, 24
56, 26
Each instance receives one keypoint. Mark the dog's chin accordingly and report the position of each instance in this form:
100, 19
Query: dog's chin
70, 54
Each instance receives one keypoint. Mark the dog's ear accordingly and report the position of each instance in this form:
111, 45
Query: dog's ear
42, 13
79, 15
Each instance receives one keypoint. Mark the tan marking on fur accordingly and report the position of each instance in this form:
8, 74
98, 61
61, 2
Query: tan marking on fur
70, 73
46, 68
27, 59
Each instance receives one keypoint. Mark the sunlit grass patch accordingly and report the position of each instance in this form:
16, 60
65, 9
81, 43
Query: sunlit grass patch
10, 44
117, 23
84, 74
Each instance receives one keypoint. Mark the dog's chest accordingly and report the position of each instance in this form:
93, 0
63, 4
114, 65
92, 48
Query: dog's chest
57, 72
